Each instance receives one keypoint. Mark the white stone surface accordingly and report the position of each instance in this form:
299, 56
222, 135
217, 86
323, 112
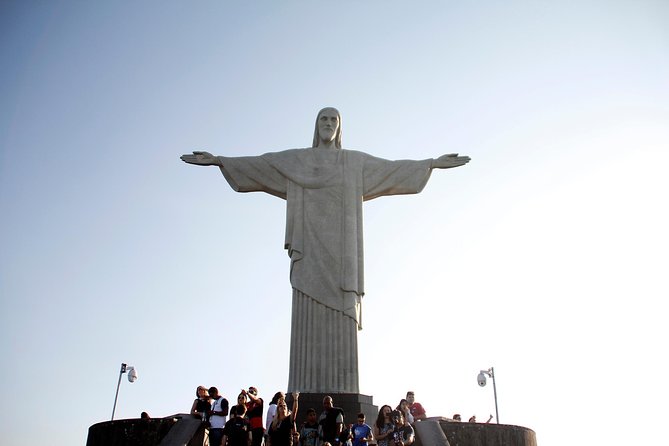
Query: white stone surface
324, 187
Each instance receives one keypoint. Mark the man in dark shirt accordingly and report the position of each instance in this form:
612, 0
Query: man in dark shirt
237, 431
330, 423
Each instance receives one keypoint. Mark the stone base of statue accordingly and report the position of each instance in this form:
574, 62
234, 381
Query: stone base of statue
351, 403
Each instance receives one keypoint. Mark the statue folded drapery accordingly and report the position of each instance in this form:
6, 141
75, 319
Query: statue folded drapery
324, 188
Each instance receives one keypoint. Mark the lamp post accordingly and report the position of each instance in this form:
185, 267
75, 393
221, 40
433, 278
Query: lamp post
482, 382
132, 377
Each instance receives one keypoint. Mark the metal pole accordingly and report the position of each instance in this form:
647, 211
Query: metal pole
494, 387
123, 366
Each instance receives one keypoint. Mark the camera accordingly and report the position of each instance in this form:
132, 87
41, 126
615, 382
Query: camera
481, 379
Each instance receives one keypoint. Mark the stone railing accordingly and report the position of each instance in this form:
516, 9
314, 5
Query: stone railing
179, 429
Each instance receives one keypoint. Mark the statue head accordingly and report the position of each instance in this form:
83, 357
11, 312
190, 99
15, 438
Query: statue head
328, 127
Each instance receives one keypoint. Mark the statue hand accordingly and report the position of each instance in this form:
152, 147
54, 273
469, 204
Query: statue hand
450, 160
201, 159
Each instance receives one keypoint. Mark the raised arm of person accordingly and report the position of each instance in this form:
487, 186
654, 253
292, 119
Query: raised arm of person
296, 396
252, 397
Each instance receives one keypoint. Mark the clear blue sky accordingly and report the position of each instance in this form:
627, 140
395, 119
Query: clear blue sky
545, 257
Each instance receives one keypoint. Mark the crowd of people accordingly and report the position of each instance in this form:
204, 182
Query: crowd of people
245, 427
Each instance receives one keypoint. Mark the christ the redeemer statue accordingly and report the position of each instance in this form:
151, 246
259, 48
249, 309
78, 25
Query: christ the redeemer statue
324, 187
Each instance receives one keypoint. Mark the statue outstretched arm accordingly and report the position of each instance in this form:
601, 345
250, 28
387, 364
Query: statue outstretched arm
202, 159
448, 161
244, 173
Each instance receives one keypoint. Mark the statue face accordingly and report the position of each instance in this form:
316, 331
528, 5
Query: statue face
328, 124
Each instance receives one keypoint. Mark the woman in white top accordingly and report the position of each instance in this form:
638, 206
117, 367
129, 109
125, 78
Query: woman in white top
271, 410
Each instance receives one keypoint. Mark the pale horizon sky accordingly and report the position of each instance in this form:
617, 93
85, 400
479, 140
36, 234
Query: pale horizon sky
545, 257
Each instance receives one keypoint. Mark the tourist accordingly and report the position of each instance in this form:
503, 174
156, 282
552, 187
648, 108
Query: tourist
331, 422
217, 417
383, 426
254, 412
361, 433
417, 410
309, 429
403, 434
241, 400
271, 410
282, 429
202, 404
237, 431
403, 407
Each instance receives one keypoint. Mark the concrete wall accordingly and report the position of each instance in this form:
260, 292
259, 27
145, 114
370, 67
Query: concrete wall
185, 430
482, 434
180, 429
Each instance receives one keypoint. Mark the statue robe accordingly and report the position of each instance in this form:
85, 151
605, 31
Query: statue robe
324, 190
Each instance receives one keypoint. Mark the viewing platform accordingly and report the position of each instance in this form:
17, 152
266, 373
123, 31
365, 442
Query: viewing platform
186, 430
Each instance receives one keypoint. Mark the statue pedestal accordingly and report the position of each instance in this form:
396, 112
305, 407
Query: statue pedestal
351, 403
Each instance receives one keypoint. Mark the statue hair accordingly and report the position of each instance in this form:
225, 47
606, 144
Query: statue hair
337, 135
